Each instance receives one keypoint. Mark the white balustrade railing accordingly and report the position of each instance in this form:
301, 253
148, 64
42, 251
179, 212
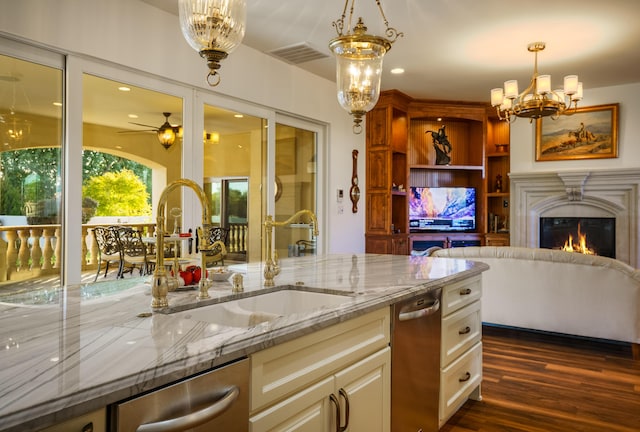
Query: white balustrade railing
30, 251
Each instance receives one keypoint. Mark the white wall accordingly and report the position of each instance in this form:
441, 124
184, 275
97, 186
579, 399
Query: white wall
140, 37
523, 155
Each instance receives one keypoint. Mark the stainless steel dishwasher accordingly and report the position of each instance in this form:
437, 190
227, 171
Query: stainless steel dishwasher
415, 363
213, 401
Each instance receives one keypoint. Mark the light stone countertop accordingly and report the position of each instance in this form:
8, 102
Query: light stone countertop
74, 350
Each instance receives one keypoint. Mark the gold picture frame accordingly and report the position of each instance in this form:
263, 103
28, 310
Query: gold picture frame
587, 133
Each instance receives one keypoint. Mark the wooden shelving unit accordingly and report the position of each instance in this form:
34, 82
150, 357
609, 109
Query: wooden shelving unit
400, 154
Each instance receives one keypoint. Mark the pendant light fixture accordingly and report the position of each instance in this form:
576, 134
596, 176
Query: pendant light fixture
359, 63
214, 28
537, 100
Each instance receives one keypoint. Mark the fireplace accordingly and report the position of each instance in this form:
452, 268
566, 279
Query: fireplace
590, 235
604, 194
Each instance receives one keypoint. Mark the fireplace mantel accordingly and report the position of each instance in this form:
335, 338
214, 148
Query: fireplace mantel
601, 193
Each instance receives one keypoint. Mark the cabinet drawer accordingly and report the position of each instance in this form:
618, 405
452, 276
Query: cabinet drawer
459, 380
460, 294
460, 331
284, 369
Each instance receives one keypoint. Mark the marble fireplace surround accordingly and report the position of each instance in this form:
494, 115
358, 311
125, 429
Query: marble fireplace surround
588, 193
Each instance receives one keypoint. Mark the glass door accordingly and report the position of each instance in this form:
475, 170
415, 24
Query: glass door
229, 198
295, 178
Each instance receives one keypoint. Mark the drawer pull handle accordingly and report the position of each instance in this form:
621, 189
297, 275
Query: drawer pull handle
344, 394
336, 402
406, 313
466, 377
196, 418
465, 291
465, 330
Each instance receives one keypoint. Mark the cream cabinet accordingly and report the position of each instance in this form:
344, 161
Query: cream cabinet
95, 421
461, 346
311, 383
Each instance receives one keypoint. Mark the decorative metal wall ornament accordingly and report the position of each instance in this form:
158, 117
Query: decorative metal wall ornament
354, 192
359, 63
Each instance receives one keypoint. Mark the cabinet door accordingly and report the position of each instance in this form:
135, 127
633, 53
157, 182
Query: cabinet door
306, 411
367, 385
378, 170
378, 218
400, 246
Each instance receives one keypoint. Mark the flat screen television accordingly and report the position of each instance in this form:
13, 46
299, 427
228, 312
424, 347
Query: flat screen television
442, 209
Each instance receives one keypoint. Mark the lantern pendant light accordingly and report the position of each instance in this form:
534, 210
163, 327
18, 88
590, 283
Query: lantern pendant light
214, 28
359, 63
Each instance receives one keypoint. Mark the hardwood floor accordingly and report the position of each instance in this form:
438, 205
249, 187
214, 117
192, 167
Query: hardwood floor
545, 383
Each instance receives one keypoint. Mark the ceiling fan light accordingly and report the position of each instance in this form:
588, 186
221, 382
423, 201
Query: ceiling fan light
214, 28
166, 135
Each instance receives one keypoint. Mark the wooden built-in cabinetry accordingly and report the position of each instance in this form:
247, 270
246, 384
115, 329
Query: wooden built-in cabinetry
400, 154
387, 223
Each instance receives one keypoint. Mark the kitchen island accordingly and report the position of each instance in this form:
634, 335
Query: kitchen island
79, 349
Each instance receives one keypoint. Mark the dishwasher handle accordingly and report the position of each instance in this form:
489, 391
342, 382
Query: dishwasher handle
432, 308
193, 419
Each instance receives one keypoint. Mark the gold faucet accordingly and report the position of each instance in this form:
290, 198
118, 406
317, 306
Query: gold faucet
161, 282
272, 267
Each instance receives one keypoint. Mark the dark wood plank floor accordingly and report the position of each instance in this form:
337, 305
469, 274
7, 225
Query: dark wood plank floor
547, 383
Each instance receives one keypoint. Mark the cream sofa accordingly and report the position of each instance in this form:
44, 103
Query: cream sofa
557, 291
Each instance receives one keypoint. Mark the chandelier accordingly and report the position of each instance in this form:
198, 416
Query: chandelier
214, 28
359, 63
537, 100
15, 129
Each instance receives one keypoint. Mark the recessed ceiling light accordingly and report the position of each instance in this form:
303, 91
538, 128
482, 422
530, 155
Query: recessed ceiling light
238, 115
124, 89
397, 71
132, 116
58, 104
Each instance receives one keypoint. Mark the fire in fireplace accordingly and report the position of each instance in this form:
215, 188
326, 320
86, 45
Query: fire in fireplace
595, 236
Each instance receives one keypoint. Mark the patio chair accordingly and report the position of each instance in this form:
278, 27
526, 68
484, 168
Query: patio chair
216, 255
109, 250
134, 252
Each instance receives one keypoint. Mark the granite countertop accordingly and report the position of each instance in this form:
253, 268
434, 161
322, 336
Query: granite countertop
73, 350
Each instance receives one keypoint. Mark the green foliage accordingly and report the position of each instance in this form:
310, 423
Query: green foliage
118, 194
17, 165
44, 164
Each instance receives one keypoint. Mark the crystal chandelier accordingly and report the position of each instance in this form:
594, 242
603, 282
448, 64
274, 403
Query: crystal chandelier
214, 28
15, 130
359, 63
537, 100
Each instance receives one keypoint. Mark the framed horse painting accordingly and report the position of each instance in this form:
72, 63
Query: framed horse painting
587, 133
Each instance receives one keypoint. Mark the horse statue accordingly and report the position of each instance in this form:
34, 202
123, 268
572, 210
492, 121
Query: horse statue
442, 146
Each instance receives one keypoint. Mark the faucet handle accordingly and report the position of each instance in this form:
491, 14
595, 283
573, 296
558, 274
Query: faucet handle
276, 263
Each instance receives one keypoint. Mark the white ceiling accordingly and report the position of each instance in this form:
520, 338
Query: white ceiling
460, 49
451, 50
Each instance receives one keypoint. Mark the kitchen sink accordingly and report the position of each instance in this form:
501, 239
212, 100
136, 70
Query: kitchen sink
251, 311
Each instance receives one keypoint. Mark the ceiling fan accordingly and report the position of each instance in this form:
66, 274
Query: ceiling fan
166, 132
